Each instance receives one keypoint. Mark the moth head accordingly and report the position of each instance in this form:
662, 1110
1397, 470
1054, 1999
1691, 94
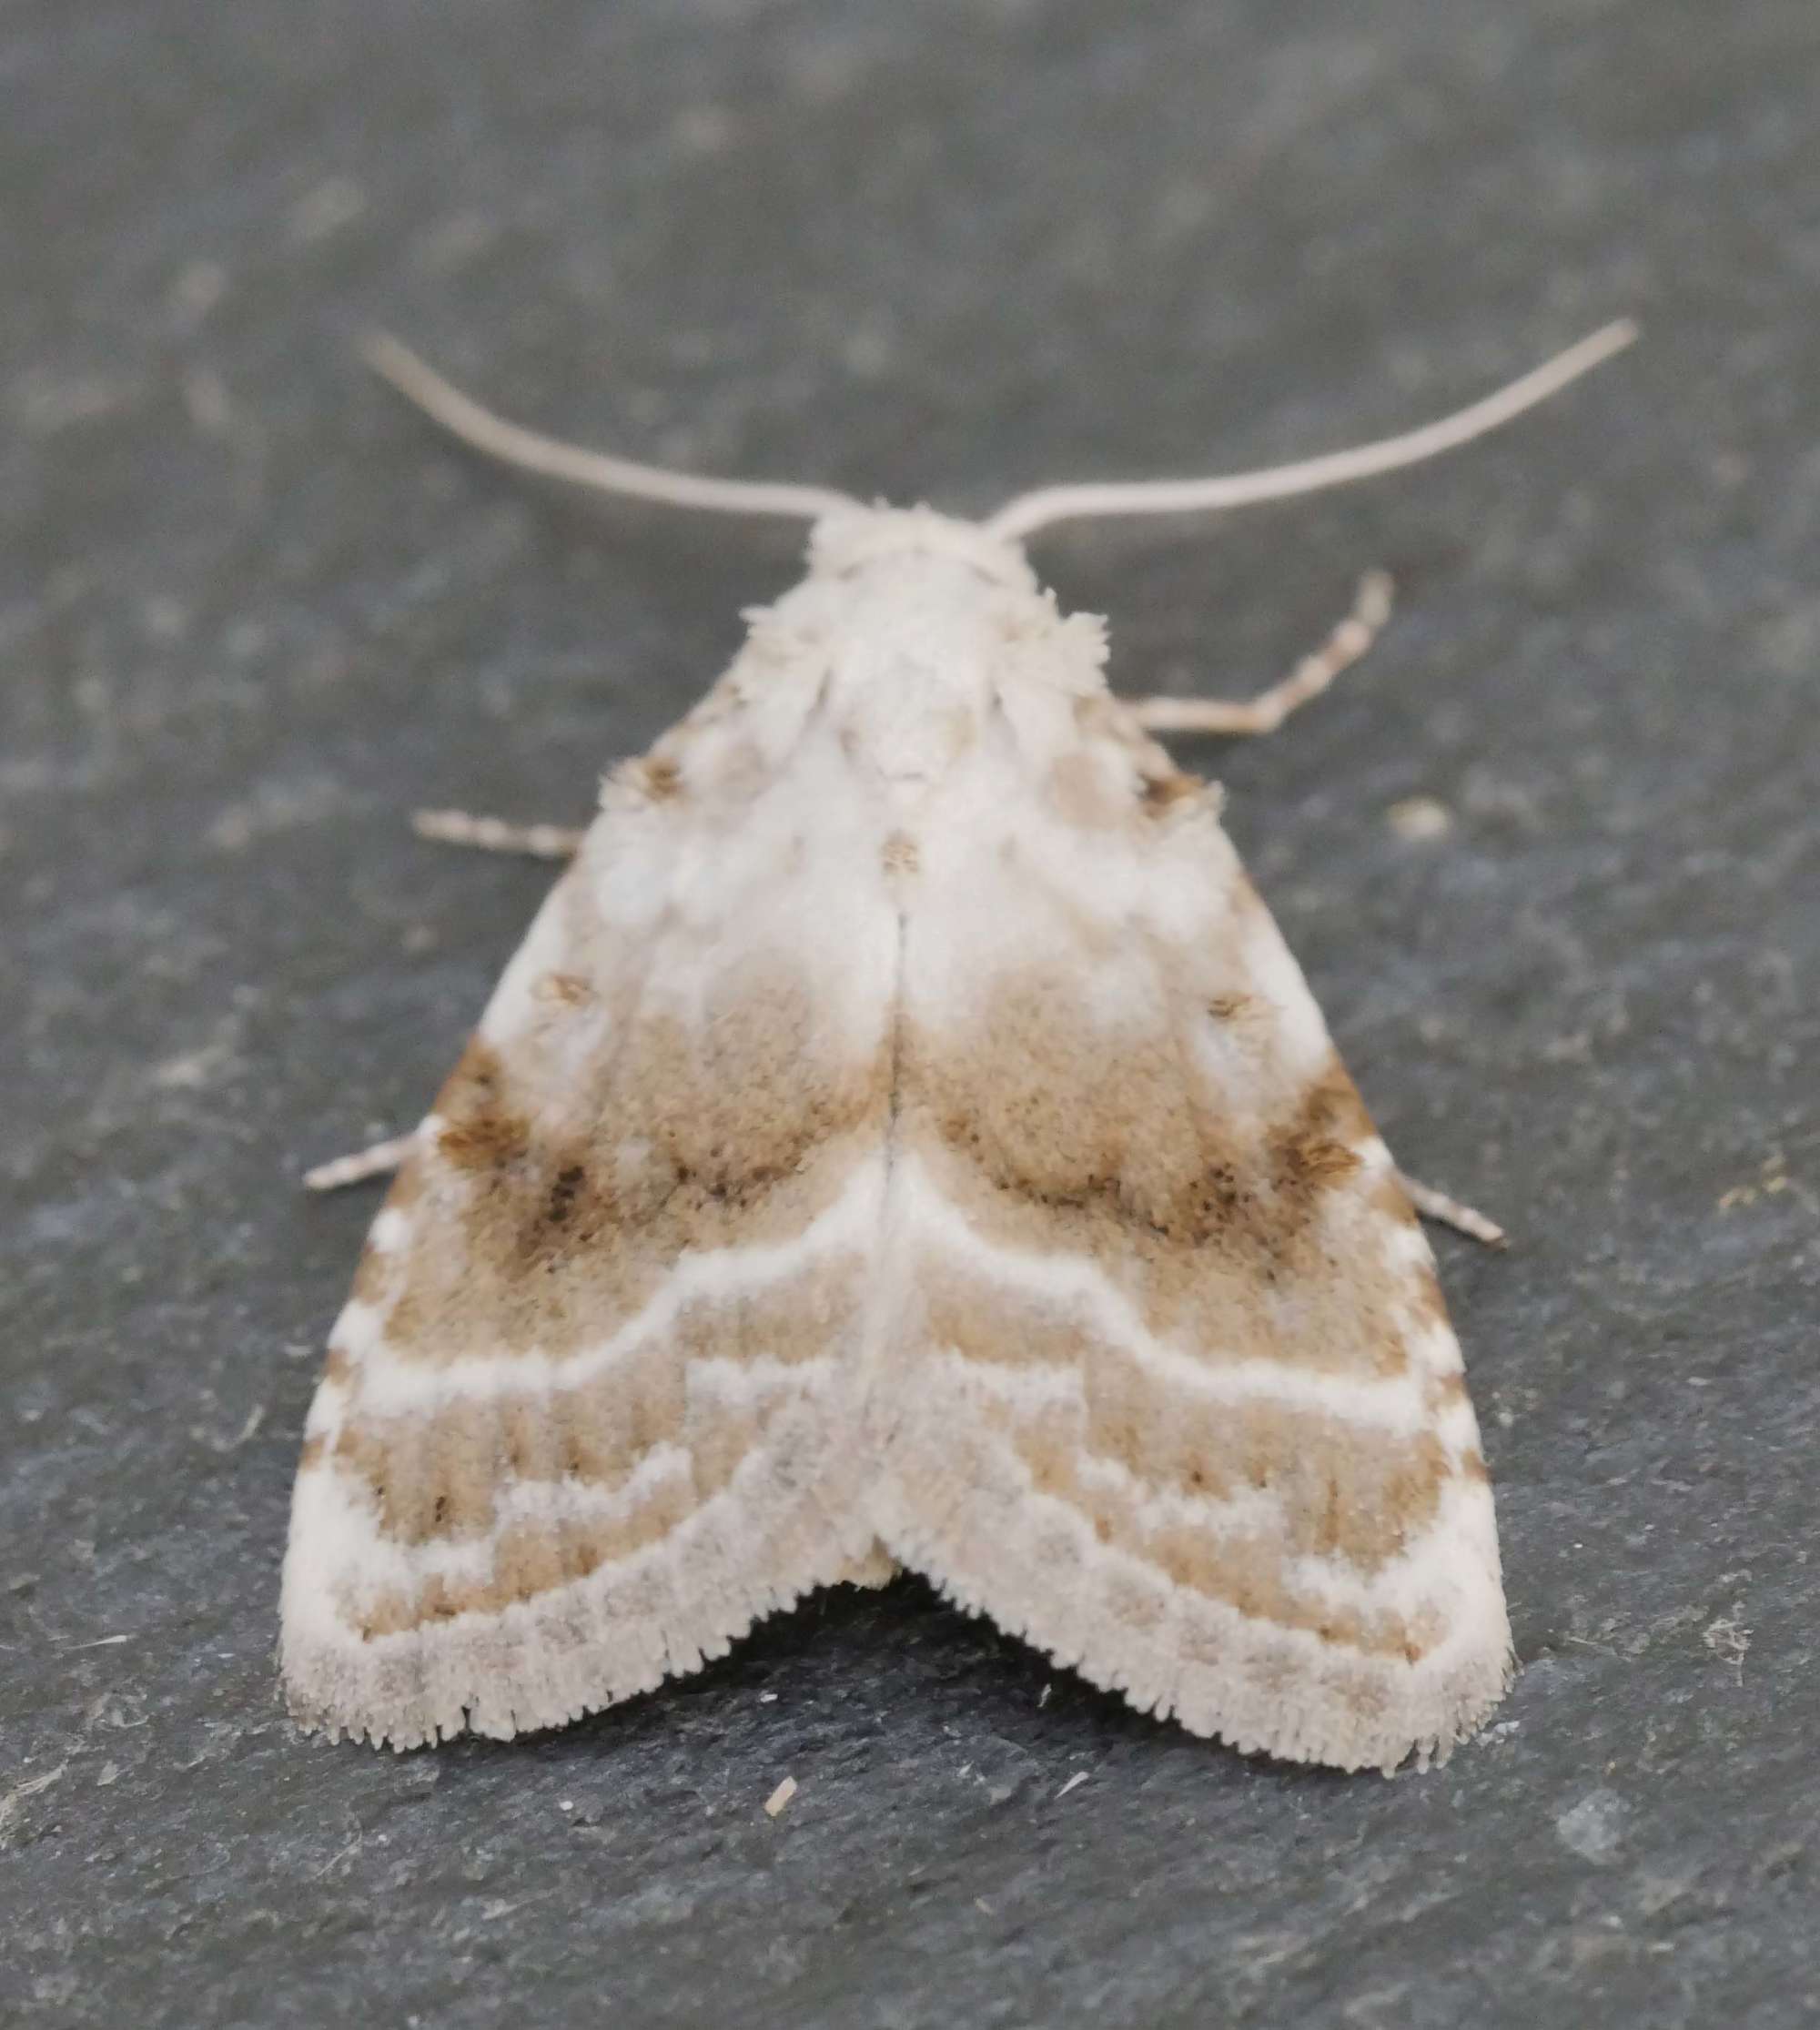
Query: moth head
852, 540
921, 617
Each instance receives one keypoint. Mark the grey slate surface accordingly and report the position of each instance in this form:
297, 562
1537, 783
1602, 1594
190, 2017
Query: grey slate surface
251, 612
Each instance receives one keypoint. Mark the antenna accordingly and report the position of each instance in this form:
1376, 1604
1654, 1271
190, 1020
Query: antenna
1047, 505
533, 452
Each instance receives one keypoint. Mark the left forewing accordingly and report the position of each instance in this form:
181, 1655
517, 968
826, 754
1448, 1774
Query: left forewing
582, 1421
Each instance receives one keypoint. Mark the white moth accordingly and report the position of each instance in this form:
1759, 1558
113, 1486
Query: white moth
904, 1139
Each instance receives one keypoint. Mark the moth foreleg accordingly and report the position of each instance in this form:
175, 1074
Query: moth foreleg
377, 1161
462, 828
1311, 676
1436, 1205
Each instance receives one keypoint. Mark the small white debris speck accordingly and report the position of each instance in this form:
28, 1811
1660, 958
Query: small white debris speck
1417, 818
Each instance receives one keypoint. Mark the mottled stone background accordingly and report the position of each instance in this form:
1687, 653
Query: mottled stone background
251, 610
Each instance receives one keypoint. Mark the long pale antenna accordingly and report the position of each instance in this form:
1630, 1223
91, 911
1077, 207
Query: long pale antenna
533, 452
1039, 510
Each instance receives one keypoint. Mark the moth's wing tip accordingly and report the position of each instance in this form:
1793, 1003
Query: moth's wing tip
1263, 1690
542, 1663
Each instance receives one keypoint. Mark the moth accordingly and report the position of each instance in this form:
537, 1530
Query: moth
904, 1139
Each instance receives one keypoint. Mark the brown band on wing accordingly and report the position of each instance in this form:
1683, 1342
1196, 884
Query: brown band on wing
1242, 1569
1235, 1236
531, 1557
437, 1474
1343, 1489
738, 1129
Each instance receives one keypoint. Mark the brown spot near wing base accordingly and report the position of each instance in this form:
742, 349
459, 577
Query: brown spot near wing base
566, 989
482, 1132
1317, 1148
1162, 792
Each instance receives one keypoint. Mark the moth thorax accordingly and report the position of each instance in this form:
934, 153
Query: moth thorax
904, 723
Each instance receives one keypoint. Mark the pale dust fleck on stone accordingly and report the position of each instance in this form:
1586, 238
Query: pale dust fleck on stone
14, 1803
274, 807
1594, 1828
199, 287
207, 402
866, 352
333, 204
1729, 1639
193, 1069
1419, 818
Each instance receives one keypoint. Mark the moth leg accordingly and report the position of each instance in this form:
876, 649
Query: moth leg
460, 828
1436, 1205
1311, 676
378, 1161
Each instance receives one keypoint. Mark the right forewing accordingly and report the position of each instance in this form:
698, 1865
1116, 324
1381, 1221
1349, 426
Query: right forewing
1172, 1389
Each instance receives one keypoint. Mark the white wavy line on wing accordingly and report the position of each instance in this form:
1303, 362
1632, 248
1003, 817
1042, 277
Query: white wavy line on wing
388, 1386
